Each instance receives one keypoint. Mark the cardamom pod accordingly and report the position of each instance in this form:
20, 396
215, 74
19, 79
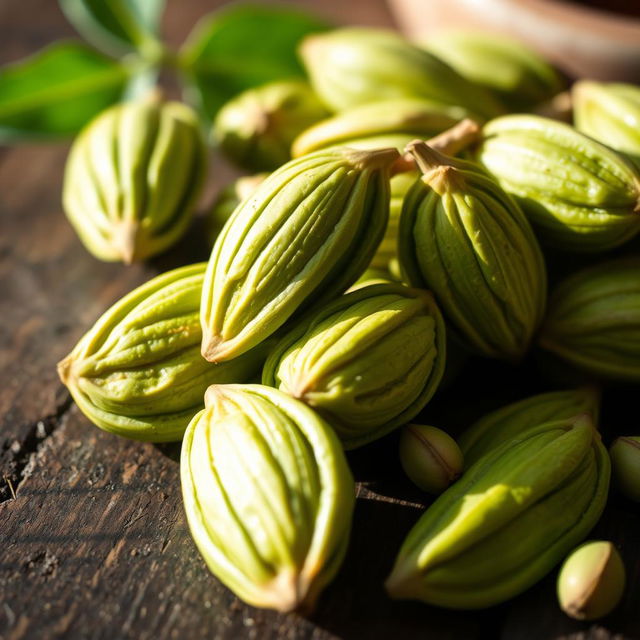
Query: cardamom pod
268, 495
512, 420
353, 66
516, 75
418, 118
307, 233
510, 518
229, 198
625, 465
591, 581
593, 321
465, 239
133, 177
580, 195
610, 113
138, 372
256, 128
368, 362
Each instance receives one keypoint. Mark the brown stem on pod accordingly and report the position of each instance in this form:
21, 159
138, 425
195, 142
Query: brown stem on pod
449, 142
439, 171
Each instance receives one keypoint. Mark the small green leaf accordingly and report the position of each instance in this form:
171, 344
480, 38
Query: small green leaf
241, 47
118, 27
56, 91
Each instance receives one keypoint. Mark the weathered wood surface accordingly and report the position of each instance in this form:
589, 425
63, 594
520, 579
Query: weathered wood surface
93, 540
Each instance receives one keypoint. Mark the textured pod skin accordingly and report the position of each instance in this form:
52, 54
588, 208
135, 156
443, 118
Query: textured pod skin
386, 66
386, 255
138, 372
229, 199
465, 239
256, 128
430, 457
396, 140
591, 581
515, 74
368, 362
625, 465
418, 117
507, 521
593, 321
308, 232
133, 177
510, 421
268, 495
610, 113
580, 195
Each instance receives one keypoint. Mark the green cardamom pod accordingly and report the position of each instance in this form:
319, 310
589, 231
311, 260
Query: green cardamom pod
593, 320
228, 199
256, 128
610, 113
418, 118
268, 495
465, 239
368, 362
138, 372
510, 518
580, 195
518, 76
133, 177
307, 233
511, 421
353, 66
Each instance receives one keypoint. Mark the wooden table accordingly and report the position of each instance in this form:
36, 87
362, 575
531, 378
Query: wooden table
93, 539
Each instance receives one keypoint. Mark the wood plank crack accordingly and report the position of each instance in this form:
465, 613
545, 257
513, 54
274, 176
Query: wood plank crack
21, 454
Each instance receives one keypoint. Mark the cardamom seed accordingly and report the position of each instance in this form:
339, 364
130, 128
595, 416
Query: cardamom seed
625, 465
430, 457
591, 581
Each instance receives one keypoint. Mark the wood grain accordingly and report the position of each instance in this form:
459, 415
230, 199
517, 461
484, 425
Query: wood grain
93, 540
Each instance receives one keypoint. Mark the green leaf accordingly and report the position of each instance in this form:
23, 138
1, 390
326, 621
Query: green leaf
241, 47
56, 91
118, 27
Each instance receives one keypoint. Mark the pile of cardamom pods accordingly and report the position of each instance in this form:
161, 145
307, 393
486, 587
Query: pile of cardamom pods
410, 201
